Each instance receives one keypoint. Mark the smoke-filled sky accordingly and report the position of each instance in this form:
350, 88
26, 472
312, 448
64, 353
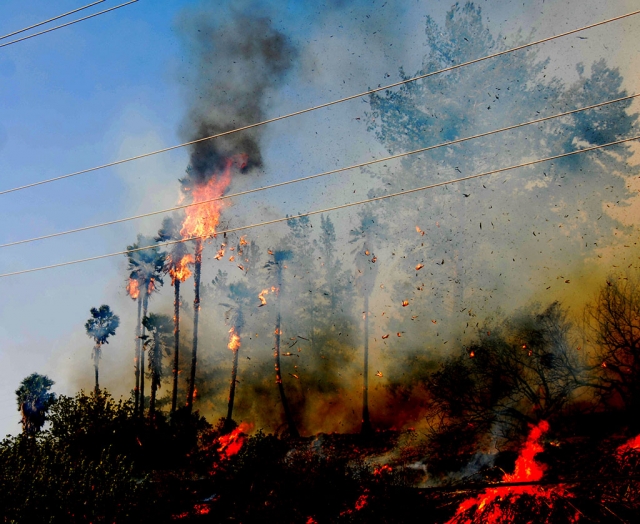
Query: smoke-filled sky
158, 73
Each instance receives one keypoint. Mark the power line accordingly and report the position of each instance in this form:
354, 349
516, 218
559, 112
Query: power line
321, 106
67, 24
50, 20
318, 175
326, 210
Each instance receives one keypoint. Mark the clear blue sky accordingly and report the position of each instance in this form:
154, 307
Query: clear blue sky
113, 86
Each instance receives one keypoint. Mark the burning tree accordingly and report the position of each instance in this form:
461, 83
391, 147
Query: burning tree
367, 270
101, 325
177, 263
241, 295
34, 400
159, 327
614, 323
277, 264
205, 189
146, 267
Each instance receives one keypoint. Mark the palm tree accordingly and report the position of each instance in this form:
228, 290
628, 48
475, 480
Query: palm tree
177, 265
100, 326
279, 258
34, 401
146, 267
159, 327
365, 279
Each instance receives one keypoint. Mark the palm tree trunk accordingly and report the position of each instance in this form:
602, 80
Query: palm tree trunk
366, 422
196, 314
96, 361
232, 390
176, 344
145, 304
154, 387
293, 431
136, 359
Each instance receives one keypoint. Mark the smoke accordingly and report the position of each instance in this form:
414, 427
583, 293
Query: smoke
236, 66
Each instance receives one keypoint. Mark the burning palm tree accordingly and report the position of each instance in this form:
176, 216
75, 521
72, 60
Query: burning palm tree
101, 325
146, 267
279, 258
367, 271
159, 327
34, 401
200, 224
177, 264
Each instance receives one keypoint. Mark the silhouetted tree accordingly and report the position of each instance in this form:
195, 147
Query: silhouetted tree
158, 342
101, 325
146, 268
613, 320
177, 264
34, 400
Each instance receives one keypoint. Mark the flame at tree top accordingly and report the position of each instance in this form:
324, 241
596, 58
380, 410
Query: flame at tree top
133, 289
202, 219
234, 340
180, 270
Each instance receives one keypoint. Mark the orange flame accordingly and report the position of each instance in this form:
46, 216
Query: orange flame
232, 443
243, 241
202, 219
180, 271
133, 289
234, 340
263, 301
151, 287
486, 504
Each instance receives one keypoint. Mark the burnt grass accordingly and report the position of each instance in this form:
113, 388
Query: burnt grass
98, 463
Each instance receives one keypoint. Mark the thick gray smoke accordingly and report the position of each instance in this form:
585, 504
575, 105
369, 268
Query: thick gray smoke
238, 64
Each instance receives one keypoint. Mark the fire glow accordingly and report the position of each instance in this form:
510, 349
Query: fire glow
180, 271
492, 504
231, 444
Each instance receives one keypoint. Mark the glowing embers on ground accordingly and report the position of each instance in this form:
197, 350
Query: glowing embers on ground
180, 269
633, 444
507, 504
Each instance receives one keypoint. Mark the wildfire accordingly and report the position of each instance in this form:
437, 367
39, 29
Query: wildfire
232, 443
632, 444
180, 271
202, 219
489, 506
234, 340
263, 301
133, 289
151, 287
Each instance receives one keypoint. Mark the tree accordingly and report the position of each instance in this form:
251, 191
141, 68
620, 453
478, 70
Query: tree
177, 264
146, 267
158, 342
279, 259
367, 270
101, 325
469, 224
518, 372
34, 400
613, 320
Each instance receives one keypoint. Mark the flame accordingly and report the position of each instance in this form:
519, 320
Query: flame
180, 271
133, 289
151, 287
243, 241
263, 301
202, 219
234, 340
232, 258
405, 303
633, 444
219, 254
487, 507
232, 443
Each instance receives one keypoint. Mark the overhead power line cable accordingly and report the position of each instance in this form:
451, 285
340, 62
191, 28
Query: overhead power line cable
67, 24
50, 20
318, 175
325, 210
314, 108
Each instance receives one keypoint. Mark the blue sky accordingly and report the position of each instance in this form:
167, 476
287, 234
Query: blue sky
114, 86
